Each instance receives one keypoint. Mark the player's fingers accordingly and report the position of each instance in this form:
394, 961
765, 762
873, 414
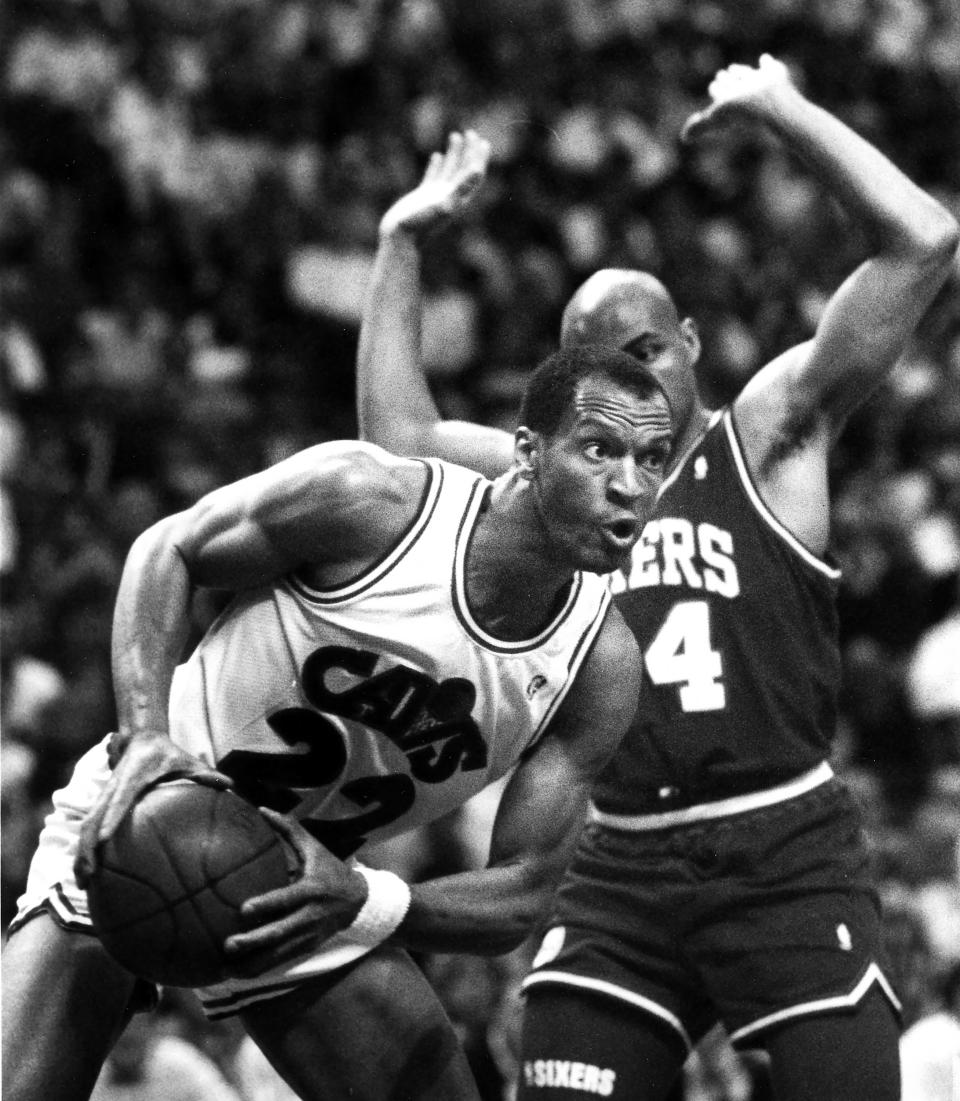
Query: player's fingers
116, 747
278, 904
85, 862
476, 147
453, 160
212, 778
123, 789
113, 815
254, 964
696, 124
723, 86
434, 167
253, 953
264, 936
476, 153
291, 831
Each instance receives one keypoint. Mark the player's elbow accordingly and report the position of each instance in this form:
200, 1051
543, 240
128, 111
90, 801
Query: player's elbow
937, 238
160, 541
393, 434
534, 884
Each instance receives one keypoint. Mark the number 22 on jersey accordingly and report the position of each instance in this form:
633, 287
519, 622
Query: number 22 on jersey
681, 654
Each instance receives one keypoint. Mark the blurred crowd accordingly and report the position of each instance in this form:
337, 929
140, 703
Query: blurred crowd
189, 199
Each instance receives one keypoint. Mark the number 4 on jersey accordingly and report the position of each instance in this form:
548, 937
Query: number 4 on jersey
681, 655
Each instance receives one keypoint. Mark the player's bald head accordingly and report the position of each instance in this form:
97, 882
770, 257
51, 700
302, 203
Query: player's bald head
616, 306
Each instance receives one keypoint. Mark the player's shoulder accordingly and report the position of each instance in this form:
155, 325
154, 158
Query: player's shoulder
614, 658
604, 694
358, 469
615, 638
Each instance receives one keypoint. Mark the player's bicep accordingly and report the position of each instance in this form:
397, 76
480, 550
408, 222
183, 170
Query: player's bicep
863, 330
324, 505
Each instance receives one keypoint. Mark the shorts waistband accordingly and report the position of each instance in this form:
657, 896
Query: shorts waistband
737, 804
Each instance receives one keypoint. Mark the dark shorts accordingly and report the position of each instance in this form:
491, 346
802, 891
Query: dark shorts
752, 919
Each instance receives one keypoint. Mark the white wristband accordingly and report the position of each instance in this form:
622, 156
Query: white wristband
388, 899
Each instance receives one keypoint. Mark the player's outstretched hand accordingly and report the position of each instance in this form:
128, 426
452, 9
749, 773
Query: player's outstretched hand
742, 93
138, 764
450, 183
294, 919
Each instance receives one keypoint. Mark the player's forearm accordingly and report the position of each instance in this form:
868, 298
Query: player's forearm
394, 406
484, 912
150, 626
902, 219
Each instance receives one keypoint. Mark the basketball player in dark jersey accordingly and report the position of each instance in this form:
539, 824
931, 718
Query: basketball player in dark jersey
722, 875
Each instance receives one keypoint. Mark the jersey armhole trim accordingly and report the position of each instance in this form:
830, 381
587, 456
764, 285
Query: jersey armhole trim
763, 510
577, 658
369, 577
682, 461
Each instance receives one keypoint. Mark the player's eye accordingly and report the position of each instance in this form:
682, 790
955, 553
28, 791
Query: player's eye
644, 348
654, 458
596, 450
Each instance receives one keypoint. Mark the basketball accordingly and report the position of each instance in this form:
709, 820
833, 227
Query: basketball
171, 880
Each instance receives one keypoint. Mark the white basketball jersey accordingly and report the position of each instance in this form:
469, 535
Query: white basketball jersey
377, 706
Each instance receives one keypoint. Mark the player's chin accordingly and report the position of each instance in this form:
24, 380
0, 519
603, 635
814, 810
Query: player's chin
607, 553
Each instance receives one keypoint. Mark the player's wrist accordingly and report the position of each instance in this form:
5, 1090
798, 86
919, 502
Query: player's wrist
384, 908
399, 235
786, 110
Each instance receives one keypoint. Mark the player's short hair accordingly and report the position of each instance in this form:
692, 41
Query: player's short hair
554, 384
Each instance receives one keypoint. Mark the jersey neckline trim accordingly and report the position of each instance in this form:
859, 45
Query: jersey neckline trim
369, 577
763, 509
682, 462
458, 589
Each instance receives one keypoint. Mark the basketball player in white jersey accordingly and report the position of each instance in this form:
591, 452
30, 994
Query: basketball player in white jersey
403, 633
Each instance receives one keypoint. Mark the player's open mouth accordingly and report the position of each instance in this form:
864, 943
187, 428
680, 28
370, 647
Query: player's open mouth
622, 533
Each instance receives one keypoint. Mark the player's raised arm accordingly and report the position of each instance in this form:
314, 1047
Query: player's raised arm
395, 408
790, 413
237, 537
490, 910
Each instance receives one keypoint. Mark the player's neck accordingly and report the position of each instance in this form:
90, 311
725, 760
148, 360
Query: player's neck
513, 586
691, 433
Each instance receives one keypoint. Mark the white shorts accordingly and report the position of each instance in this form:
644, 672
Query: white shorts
51, 887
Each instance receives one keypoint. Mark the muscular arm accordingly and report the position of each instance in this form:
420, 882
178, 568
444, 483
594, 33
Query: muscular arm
493, 909
793, 410
395, 408
328, 511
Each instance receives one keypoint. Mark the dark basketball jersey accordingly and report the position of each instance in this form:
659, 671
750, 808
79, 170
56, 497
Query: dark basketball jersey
737, 623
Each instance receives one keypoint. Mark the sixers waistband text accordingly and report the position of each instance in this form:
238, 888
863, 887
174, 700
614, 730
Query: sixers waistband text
569, 1074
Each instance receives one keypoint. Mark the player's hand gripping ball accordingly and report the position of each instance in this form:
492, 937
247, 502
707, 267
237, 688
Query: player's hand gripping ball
172, 878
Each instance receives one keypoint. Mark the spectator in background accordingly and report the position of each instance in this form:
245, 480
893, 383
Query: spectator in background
930, 1048
933, 686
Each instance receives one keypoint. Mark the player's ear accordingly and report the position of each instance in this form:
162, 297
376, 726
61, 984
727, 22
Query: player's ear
526, 451
691, 338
